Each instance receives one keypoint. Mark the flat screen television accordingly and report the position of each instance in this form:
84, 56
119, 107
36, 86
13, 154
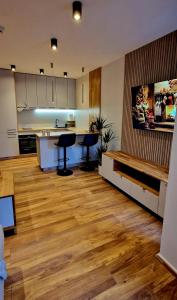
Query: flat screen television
154, 105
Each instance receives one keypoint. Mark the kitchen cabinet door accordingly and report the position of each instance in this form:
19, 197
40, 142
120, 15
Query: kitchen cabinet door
42, 91
61, 92
71, 93
51, 92
31, 90
9, 144
20, 89
8, 113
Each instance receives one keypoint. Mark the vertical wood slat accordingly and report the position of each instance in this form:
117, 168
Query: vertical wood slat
94, 93
154, 62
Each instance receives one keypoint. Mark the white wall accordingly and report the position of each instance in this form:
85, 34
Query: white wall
82, 102
34, 119
168, 249
112, 84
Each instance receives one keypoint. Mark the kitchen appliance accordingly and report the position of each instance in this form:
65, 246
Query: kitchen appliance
27, 143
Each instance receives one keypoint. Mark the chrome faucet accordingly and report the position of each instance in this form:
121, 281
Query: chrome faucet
57, 123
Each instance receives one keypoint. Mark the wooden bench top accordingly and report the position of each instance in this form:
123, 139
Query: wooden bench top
141, 165
6, 184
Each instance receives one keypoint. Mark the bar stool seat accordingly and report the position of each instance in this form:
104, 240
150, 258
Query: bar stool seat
65, 141
90, 140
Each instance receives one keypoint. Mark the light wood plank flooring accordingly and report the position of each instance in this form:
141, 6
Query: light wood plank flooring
80, 238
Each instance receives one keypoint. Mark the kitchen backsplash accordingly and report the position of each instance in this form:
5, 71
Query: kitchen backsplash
34, 119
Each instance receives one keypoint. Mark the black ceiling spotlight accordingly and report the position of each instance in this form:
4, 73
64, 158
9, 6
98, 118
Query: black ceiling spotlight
13, 68
65, 74
54, 44
77, 10
41, 71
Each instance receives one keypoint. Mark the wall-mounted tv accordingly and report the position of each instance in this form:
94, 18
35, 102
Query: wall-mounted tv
154, 105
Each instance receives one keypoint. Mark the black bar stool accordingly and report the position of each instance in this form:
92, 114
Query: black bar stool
65, 140
90, 139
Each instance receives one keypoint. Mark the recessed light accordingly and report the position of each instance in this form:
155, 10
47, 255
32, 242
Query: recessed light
13, 68
77, 10
54, 44
65, 74
41, 71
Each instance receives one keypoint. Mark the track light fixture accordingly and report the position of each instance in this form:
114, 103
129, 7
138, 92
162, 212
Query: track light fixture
65, 74
77, 10
41, 71
13, 68
54, 44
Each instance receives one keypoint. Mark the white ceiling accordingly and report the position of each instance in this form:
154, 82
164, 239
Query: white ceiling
109, 29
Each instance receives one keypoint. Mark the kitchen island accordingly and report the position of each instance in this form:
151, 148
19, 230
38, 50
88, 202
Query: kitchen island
50, 156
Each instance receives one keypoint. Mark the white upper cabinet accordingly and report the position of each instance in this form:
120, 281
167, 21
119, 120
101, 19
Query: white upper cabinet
31, 90
51, 92
71, 93
61, 92
20, 89
41, 91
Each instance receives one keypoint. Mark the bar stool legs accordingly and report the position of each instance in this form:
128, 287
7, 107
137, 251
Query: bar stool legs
64, 171
88, 165
65, 140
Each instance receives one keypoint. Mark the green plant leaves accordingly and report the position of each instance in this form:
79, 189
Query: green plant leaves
106, 135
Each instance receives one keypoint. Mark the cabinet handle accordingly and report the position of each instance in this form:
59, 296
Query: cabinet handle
82, 93
52, 92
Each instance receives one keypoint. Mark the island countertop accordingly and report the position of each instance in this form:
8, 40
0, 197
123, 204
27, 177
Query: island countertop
50, 156
51, 134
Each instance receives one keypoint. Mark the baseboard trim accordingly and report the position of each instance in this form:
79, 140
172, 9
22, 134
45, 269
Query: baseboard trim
166, 262
18, 156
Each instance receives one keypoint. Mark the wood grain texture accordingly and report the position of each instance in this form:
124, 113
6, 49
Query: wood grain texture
6, 184
80, 238
141, 165
94, 94
154, 62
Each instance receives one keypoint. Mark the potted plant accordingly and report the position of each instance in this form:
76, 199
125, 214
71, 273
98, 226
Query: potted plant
106, 135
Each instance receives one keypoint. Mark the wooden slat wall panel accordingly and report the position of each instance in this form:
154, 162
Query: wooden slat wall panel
154, 62
94, 93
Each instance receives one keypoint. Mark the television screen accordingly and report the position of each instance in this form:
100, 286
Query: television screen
154, 105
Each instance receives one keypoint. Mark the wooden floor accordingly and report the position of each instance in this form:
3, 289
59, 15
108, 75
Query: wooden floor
80, 238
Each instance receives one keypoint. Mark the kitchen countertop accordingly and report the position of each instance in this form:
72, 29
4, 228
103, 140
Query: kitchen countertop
23, 130
38, 131
52, 134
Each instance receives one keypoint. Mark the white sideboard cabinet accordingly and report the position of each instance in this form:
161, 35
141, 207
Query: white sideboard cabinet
143, 181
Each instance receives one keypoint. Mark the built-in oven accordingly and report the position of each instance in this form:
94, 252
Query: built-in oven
27, 143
